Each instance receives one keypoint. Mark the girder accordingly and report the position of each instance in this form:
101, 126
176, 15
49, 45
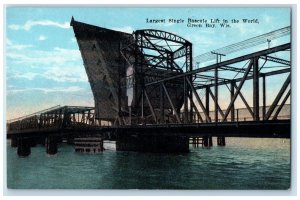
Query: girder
277, 60
163, 35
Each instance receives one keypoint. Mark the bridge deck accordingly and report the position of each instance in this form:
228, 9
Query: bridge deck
262, 129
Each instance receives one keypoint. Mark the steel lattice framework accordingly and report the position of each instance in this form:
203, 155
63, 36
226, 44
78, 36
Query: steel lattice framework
166, 88
154, 49
171, 101
155, 55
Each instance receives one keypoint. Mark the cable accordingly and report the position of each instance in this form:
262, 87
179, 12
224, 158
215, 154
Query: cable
244, 44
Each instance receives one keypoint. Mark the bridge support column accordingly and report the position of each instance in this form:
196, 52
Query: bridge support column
264, 96
221, 141
23, 147
51, 145
256, 89
207, 102
207, 141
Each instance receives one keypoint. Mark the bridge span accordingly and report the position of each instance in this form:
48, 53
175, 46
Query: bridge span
150, 95
68, 123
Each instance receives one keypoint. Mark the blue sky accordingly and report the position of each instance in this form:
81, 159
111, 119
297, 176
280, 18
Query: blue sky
43, 64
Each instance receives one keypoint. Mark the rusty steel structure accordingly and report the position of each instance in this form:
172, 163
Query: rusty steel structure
100, 50
116, 62
155, 55
151, 95
148, 77
57, 117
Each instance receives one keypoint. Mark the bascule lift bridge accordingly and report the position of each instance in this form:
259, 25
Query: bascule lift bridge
153, 95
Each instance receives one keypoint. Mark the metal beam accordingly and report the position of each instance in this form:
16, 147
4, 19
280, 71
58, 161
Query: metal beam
238, 90
199, 100
185, 102
179, 52
232, 84
264, 96
281, 71
155, 46
150, 106
207, 101
278, 97
191, 106
159, 49
245, 102
189, 65
216, 92
165, 36
218, 107
197, 111
234, 69
255, 88
281, 105
228, 62
209, 78
277, 60
170, 101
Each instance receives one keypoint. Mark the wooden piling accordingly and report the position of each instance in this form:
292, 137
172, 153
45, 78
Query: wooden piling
207, 141
221, 141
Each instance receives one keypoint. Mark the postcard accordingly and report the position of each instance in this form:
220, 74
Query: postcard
177, 98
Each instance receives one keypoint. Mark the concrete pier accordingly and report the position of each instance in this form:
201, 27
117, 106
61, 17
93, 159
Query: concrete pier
221, 141
153, 143
23, 147
207, 141
51, 145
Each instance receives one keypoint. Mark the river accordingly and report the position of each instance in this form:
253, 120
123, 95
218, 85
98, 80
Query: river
243, 163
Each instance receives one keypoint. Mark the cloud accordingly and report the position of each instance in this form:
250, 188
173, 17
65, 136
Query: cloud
41, 58
126, 29
58, 64
70, 89
66, 74
56, 73
29, 24
12, 45
27, 75
42, 38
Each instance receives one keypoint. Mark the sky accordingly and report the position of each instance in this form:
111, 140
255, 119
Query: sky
43, 63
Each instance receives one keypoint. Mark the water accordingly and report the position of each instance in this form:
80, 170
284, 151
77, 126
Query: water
242, 164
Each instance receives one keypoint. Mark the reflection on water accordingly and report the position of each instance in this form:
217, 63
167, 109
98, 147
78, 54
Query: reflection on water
242, 164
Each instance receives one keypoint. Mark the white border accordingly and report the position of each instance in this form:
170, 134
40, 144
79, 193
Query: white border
228, 194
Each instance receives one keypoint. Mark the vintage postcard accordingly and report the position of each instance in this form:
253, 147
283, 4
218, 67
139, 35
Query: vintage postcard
191, 98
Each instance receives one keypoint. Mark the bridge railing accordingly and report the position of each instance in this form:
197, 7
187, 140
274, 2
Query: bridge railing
243, 114
240, 114
59, 117
86, 120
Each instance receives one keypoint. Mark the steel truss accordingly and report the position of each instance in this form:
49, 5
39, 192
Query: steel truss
162, 62
58, 117
156, 55
248, 67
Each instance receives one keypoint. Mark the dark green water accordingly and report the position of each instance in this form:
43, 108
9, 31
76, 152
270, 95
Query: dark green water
243, 164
